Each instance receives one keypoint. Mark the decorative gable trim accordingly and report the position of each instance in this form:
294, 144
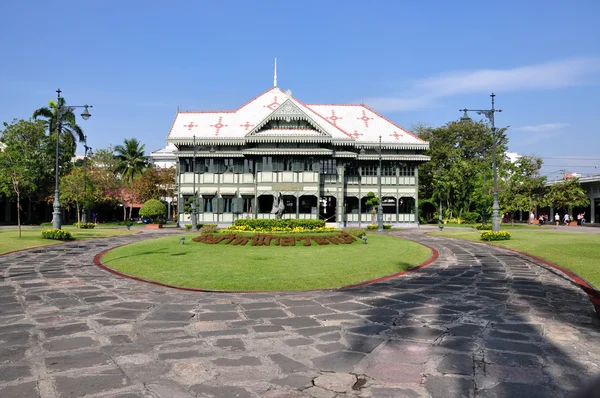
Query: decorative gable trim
288, 111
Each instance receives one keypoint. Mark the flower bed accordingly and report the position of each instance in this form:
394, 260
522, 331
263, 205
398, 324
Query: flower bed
279, 225
56, 234
274, 240
491, 235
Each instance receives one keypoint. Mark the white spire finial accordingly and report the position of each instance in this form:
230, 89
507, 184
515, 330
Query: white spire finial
275, 76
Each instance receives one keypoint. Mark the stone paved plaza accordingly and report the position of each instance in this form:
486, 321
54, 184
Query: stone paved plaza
478, 322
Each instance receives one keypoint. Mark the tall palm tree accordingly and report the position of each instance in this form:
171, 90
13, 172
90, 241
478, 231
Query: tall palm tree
70, 131
131, 162
69, 125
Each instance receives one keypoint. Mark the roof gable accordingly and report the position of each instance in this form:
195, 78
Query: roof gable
285, 115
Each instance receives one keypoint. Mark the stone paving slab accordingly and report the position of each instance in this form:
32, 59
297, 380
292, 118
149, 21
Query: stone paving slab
478, 322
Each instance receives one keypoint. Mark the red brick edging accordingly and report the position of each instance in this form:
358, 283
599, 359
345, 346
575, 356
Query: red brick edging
591, 291
98, 262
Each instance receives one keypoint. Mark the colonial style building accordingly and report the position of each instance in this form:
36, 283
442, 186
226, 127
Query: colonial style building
319, 161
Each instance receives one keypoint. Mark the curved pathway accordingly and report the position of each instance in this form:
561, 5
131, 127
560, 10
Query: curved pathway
478, 322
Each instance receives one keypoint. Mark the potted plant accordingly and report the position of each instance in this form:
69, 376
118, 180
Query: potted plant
153, 209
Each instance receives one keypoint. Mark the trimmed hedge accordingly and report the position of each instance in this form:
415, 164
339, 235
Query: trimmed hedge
375, 226
85, 225
482, 227
491, 235
189, 226
277, 224
56, 234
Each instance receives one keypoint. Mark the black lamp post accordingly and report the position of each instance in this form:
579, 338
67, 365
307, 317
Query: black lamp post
60, 111
83, 209
193, 216
380, 207
489, 114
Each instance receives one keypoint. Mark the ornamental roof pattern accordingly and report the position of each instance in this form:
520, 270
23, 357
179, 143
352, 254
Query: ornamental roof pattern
351, 123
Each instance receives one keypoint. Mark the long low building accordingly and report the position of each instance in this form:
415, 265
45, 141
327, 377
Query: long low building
278, 157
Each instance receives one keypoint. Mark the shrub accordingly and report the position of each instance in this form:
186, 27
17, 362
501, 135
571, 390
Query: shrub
491, 235
153, 209
471, 217
85, 225
208, 229
46, 224
56, 234
358, 232
483, 227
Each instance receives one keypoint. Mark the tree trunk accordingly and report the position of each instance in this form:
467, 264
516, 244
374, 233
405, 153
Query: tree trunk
124, 213
78, 214
19, 213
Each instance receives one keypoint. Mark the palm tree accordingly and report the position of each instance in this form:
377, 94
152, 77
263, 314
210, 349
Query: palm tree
69, 125
131, 162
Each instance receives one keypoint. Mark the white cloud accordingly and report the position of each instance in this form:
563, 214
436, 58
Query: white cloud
543, 127
426, 92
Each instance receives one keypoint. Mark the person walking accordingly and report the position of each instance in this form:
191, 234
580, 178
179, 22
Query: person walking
557, 218
566, 219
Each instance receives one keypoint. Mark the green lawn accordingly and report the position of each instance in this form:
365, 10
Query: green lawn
9, 238
226, 267
579, 252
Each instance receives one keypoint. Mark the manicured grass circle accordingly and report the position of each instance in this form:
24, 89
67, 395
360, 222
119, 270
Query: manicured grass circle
258, 268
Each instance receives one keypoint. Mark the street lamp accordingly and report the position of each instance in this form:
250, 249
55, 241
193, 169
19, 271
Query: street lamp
83, 209
193, 216
380, 207
489, 114
60, 111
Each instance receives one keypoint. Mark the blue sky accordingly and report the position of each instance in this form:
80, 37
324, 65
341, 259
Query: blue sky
415, 62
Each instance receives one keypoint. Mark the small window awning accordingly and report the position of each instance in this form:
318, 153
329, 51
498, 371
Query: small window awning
208, 191
247, 191
228, 191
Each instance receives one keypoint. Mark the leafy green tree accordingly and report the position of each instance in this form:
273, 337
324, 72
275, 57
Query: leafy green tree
72, 191
155, 183
22, 159
566, 194
461, 155
525, 185
131, 162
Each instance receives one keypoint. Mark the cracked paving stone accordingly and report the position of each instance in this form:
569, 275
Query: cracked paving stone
338, 361
363, 343
85, 385
231, 344
420, 333
76, 361
518, 390
72, 343
286, 364
444, 387
65, 330
466, 330
460, 364
12, 373
24, 390
338, 382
